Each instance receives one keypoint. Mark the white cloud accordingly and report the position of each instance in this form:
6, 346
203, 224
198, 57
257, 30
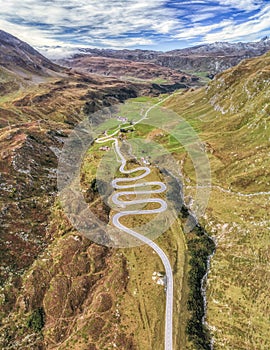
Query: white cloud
198, 30
129, 23
103, 18
124, 43
244, 31
57, 52
199, 17
246, 5
31, 35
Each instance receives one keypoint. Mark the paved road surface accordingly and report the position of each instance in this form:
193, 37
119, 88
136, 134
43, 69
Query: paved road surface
125, 190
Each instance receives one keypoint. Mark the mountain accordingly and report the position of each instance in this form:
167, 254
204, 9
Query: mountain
48, 91
50, 275
213, 58
231, 117
208, 58
22, 66
59, 290
224, 48
20, 58
129, 70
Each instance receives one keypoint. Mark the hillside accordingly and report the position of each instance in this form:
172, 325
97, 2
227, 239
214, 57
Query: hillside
129, 70
20, 58
208, 58
59, 290
33, 88
52, 279
232, 118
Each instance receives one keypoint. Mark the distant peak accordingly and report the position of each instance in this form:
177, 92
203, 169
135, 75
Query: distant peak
265, 38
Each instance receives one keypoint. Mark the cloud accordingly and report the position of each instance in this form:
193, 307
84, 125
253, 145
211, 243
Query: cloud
199, 17
251, 28
132, 23
245, 5
57, 52
89, 20
244, 31
198, 31
30, 34
97, 19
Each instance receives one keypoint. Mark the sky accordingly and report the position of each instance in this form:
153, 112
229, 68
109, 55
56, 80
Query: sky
61, 25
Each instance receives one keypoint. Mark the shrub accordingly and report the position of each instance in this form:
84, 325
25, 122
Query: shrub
36, 320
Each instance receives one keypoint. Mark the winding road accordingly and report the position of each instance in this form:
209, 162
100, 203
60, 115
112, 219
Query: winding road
132, 189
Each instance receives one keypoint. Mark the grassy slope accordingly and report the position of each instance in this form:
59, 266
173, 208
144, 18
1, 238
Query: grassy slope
232, 118
142, 307
239, 271
56, 281
28, 196
92, 295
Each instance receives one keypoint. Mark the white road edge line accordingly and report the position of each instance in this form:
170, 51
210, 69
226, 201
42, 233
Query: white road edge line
168, 341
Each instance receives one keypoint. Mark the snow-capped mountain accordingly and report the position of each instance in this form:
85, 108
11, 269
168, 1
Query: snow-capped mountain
211, 58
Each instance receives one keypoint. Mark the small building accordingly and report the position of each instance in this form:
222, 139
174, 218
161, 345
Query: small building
105, 148
159, 278
122, 119
145, 161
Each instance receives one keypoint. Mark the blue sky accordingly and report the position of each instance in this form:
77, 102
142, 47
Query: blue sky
147, 24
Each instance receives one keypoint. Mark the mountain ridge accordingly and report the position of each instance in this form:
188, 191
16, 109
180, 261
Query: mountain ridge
21, 58
211, 58
130, 70
62, 291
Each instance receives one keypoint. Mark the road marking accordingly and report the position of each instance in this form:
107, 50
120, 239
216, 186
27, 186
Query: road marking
168, 341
